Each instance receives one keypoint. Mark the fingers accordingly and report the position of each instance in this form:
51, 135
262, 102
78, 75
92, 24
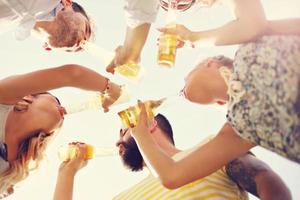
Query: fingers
81, 151
180, 43
143, 113
111, 67
167, 30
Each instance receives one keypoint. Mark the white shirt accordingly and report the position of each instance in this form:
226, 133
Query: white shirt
138, 12
24, 14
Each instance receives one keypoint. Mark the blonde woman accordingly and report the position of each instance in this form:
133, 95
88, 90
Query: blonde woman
29, 116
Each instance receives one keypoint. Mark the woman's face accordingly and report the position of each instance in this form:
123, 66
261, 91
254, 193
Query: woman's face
42, 112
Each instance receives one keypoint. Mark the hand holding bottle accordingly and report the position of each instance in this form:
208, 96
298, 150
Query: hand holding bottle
77, 162
180, 30
111, 95
122, 57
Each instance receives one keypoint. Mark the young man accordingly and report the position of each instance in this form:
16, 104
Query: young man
246, 173
63, 24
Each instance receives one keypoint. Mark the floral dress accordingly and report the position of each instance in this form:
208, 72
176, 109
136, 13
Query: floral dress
264, 94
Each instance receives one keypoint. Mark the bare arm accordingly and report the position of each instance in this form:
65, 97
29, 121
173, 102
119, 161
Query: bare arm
64, 186
131, 50
246, 26
256, 177
284, 26
203, 161
13, 88
66, 175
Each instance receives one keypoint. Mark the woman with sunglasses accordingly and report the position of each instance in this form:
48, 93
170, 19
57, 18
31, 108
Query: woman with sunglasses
29, 116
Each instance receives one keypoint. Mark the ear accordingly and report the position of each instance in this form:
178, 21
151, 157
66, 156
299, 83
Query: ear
153, 126
213, 63
66, 3
210, 62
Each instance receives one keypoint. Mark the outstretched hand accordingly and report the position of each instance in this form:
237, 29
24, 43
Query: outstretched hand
184, 34
121, 57
112, 94
142, 122
76, 163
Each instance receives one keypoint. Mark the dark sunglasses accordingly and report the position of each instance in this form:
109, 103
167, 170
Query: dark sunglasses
3, 151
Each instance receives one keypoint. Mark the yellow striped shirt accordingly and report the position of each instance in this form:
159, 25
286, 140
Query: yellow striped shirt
217, 186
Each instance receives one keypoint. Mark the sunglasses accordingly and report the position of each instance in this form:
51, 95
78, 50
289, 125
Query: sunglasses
3, 151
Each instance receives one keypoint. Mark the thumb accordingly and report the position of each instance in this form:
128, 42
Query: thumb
162, 29
111, 67
143, 113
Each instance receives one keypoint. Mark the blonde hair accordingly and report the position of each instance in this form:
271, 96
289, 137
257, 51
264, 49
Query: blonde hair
30, 153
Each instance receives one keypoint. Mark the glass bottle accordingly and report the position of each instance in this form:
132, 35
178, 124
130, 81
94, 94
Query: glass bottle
96, 101
67, 152
130, 115
168, 42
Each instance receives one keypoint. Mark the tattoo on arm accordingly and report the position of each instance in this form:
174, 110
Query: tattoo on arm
244, 175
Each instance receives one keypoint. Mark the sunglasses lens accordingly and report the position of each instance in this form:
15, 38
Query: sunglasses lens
3, 150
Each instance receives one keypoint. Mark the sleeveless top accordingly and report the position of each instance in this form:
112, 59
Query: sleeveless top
264, 94
4, 110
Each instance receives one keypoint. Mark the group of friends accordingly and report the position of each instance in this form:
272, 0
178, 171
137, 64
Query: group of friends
260, 86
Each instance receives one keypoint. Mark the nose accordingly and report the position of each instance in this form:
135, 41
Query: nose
62, 111
119, 142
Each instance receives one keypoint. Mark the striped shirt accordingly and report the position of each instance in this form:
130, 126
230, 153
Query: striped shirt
217, 186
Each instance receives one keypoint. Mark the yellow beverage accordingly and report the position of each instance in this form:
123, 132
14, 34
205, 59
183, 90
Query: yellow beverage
89, 152
130, 115
167, 50
69, 152
130, 70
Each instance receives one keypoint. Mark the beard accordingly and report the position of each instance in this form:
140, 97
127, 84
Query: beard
131, 157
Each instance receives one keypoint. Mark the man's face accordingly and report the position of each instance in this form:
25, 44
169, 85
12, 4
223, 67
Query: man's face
129, 152
73, 30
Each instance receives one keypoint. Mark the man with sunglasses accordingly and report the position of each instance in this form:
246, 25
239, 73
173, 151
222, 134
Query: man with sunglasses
61, 24
247, 173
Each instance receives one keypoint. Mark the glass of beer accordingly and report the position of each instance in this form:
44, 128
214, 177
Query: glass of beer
167, 50
130, 115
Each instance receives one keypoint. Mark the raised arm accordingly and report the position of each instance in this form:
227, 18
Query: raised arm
284, 26
66, 175
139, 15
135, 39
13, 88
256, 177
203, 161
246, 26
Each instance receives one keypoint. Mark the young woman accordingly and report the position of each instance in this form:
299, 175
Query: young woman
246, 26
29, 115
262, 88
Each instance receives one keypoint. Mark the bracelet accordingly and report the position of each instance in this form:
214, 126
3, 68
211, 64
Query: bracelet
107, 87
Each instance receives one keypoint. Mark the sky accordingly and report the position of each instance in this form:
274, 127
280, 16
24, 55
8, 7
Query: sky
105, 177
